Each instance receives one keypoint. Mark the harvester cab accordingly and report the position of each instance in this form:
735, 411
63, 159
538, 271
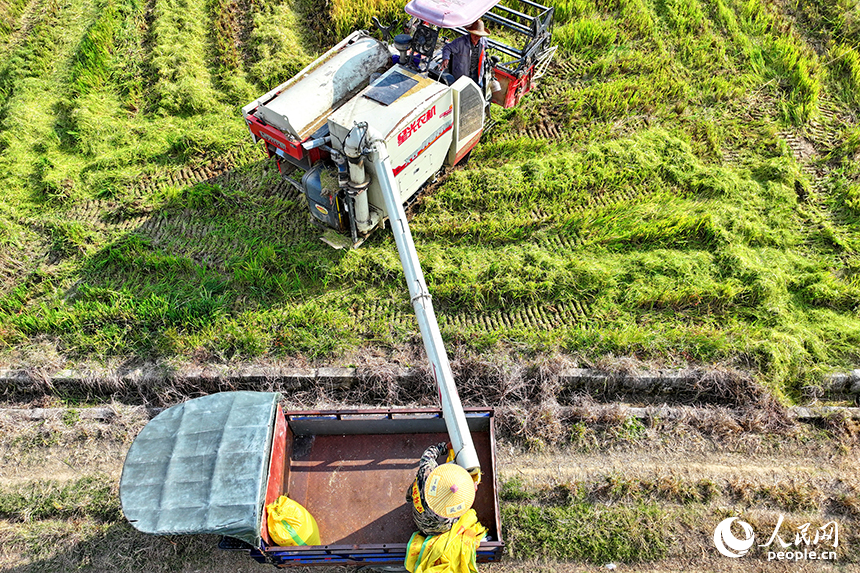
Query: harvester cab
518, 56
397, 87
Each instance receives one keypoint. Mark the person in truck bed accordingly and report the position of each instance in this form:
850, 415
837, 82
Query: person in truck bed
467, 53
440, 494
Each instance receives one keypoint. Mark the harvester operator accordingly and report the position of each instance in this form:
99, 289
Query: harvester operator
440, 494
467, 53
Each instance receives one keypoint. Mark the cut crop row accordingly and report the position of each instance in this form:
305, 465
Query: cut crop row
184, 84
10, 12
29, 97
278, 47
32, 54
225, 15
785, 58
93, 60
104, 78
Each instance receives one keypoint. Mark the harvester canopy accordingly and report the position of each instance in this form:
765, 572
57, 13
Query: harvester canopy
449, 13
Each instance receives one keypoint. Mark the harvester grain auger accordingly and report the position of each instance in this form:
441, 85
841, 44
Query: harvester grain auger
369, 124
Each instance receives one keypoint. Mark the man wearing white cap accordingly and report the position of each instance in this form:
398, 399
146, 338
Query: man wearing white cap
440, 494
466, 53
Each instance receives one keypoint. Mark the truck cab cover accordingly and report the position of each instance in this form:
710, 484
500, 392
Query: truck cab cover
202, 467
449, 13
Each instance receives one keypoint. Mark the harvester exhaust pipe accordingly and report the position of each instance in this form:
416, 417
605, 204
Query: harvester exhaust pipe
452, 408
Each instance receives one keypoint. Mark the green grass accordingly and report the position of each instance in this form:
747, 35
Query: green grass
585, 532
93, 497
671, 219
633, 520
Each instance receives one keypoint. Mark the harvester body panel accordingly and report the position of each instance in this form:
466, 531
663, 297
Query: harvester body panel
416, 125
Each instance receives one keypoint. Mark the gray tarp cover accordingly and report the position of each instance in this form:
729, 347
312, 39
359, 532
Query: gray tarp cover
201, 467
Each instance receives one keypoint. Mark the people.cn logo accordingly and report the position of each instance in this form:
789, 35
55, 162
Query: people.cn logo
728, 544
807, 543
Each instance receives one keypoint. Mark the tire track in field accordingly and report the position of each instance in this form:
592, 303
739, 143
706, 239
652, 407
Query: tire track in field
810, 144
15, 262
275, 209
559, 79
278, 215
543, 317
813, 141
26, 20
219, 171
601, 198
112, 214
545, 129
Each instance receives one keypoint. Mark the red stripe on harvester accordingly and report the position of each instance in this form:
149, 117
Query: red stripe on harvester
397, 170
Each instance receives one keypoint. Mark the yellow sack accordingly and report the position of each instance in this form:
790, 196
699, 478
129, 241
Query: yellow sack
291, 524
450, 552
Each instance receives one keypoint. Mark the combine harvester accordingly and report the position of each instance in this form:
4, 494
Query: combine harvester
330, 123
370, 125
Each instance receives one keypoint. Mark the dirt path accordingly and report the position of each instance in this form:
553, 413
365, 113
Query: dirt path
64, 450
67, 449
545, 469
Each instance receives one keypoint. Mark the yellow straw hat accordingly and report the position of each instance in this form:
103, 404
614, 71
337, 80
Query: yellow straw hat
449, 490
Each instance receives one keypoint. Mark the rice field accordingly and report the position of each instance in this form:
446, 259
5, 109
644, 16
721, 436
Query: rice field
681, 188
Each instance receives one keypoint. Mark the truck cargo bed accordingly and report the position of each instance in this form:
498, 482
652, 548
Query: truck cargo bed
351, 471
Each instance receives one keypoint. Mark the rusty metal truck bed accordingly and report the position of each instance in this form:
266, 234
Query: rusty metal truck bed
351, 470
